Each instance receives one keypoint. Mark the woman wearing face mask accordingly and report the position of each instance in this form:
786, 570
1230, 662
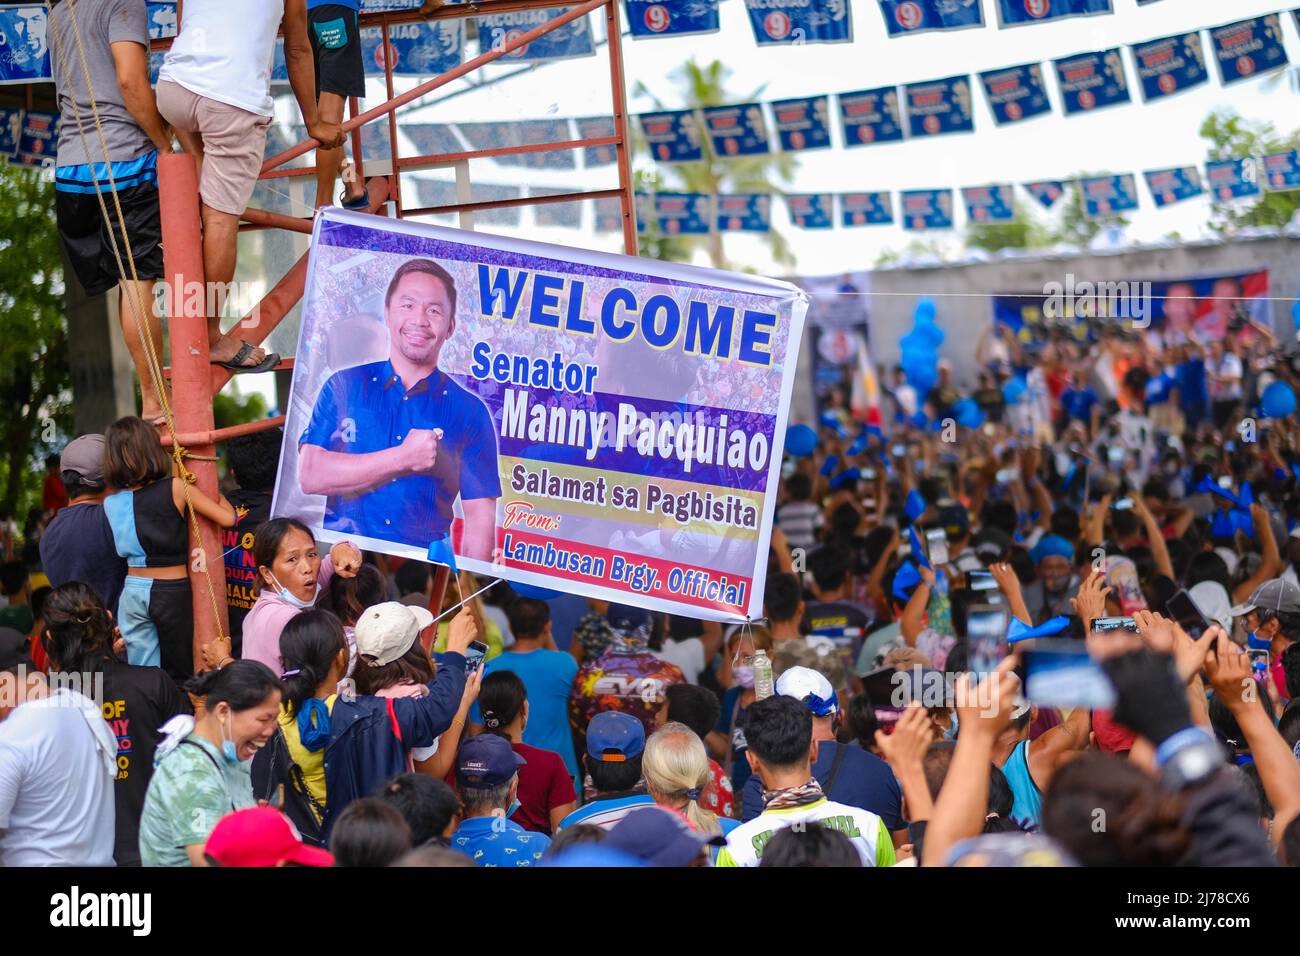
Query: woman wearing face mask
201, 770
335, 746
726, 742
290, 577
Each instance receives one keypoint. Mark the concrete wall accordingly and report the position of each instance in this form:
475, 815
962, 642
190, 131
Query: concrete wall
103, 378
964, 318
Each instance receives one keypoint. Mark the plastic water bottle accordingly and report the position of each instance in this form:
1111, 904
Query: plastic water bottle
763, 683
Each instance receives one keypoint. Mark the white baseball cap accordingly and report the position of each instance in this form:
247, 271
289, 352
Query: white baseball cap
809, 686
385, 632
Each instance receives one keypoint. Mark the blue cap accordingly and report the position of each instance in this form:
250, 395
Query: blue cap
585, 855
614, 736
487, 760
1052, 545
625, 617
659, 837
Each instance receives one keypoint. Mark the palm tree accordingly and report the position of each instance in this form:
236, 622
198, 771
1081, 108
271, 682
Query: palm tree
704, 86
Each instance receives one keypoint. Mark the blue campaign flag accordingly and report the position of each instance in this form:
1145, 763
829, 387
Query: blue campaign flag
1282, 170
926, 209
683, 214
921, 16
644, 210
803, 123
24, 49
870, 116
1107, 195
563, 43
673, 136
1169, 186
11, 131
989, 203
1092, 81
918, 552
915, 505
745, 212
795, 22
608, 215
593, 127
1015, 13
1232, 178
832, 461
939, 106
1047, 192
664, 18
1020, 631
37, 139
866, 209
1248, 47
811, 210
162, 19
503, 135
1170, 65
440, 553
739, 130
416, 49
1016, 93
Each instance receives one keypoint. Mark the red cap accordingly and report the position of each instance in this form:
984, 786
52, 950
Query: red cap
261, 836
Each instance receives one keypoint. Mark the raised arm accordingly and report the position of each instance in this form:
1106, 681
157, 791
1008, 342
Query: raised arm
1230, 675
963, 801
913, 621
1271, 566
1155, 537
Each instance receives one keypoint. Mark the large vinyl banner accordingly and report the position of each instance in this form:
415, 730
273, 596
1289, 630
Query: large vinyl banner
595, 423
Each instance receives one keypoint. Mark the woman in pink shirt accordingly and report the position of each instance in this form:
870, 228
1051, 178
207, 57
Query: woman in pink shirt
290, 577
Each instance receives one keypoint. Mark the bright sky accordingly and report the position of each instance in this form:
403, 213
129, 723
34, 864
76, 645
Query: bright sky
1128, 138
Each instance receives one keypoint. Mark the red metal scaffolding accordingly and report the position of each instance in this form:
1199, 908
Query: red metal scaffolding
196, 382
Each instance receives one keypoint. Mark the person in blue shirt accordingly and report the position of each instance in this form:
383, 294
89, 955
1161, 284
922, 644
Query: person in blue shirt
547, 675
487, 779
392, 444
615, 745
1080, 403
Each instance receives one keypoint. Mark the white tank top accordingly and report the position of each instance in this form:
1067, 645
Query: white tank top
225, 52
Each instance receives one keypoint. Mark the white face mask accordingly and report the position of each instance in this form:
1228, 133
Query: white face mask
288, 596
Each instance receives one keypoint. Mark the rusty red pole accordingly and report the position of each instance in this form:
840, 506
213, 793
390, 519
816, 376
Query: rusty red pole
621, 150
178, 199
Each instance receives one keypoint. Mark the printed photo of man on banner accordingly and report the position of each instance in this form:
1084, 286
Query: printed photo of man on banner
561, 418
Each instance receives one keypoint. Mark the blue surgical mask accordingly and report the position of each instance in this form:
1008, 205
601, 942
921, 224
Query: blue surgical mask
950, 732
228, 748
284, 594
514, 805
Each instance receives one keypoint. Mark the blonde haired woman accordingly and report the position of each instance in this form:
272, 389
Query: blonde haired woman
675, 766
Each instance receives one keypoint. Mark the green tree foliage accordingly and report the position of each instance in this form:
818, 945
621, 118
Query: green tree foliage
35, 377
704, 86
1231, 137
228, 410
1023, 232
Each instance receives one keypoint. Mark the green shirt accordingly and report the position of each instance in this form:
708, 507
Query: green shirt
192, 788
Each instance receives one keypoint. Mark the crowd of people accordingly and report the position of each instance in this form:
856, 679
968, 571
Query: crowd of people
1118, 490
339, 722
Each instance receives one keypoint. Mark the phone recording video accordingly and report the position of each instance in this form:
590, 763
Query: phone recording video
1059, 673
936, 546
1184, 609
986, 633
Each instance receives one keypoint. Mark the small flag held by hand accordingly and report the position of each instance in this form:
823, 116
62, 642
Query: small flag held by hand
440, 553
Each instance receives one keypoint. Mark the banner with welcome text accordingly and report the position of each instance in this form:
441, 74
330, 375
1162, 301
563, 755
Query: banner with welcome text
593, 423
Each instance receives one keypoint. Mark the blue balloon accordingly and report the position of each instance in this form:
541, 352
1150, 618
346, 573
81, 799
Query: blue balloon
800, 440
925, 311
1014, 389
968, 414
1278, 401
932, 335
533, 591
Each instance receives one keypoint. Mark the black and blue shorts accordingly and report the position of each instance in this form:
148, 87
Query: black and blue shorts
336, 50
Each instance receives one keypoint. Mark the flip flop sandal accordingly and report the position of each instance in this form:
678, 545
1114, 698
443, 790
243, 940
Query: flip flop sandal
235, 366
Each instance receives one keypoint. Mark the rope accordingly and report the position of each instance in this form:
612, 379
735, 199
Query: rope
179, 452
